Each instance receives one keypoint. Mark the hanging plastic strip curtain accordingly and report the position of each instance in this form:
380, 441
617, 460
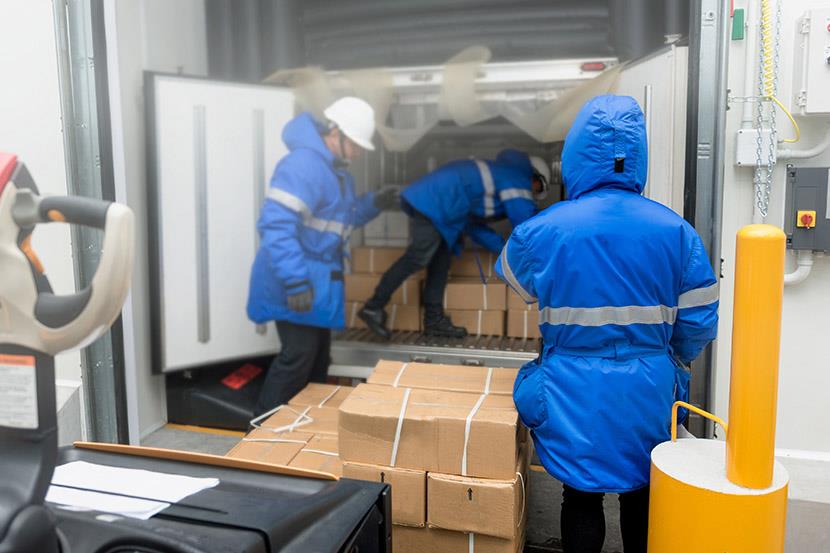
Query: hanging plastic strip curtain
459, 100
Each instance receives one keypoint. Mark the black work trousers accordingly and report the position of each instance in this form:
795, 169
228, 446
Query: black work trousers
583, 521
427, 249
305, 357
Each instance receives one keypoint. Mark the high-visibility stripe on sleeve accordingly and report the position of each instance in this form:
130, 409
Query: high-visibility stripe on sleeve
290, 201
699, 297
513, 193
297, 205
511, 278
608, 315
489, 188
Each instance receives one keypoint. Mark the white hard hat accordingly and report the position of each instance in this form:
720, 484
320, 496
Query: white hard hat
542, 170
355, 118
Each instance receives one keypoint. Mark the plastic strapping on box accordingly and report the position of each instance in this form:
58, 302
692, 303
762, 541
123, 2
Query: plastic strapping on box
471, 541
394, 315
274, 440
353, 315
397, 441
399, 375
524, 498
487, 382
524, 314
371, 260
328, 397
405, 295
484, 292
288, 427
320, 452
445, 297
478, 323
467, 425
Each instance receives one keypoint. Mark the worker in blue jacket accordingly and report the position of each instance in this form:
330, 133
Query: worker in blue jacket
459, 198
627, 298
306, 219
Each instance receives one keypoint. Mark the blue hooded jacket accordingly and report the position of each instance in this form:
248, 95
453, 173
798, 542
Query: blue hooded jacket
626, 294
305, 223
462, 196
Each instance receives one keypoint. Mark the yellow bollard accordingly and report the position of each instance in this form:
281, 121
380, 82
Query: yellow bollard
756, 337
708, 496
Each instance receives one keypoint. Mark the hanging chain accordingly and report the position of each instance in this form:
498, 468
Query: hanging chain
759, 177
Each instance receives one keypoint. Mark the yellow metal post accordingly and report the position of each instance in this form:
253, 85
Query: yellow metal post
756, 336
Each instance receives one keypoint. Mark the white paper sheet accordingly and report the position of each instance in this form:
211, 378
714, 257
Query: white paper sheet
152, 491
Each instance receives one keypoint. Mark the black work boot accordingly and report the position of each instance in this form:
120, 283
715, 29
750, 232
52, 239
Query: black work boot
442, 326
375, 319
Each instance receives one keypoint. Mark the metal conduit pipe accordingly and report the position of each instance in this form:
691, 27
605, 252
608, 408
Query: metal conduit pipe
820, 148
804, 264
750, 64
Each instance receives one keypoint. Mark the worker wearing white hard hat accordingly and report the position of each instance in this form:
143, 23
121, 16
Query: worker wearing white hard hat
310, 210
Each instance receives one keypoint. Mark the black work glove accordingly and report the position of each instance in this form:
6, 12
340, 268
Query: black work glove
387, 198
301, 302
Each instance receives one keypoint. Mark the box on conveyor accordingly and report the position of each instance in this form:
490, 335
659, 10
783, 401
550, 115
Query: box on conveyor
409, 489
320, 453
523, 324
321, 395
478, 322
360, 287
425, 430
451, 378
467, 264
516, 303
483, 506
471, 293
315, 420
433, 540
400, 317
269, 447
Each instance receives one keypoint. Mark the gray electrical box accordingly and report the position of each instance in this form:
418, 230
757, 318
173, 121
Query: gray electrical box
807, 221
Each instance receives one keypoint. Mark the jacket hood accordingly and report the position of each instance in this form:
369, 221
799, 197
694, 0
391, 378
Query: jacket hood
606, 147
304, 132
516, 159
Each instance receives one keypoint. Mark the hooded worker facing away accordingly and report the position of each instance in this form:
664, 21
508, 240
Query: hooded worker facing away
308, 215
626, 297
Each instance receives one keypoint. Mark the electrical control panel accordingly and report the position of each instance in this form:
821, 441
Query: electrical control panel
811, 89
807, 221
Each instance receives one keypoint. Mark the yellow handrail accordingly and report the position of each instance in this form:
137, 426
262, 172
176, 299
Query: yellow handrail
693, 409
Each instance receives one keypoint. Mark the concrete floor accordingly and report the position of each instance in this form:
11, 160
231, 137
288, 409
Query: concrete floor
169, 437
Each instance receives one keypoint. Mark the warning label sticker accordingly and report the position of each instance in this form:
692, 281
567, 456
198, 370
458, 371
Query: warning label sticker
18, 391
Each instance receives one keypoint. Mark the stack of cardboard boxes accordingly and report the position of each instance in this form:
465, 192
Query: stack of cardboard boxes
448, 440
302, 434
475, 297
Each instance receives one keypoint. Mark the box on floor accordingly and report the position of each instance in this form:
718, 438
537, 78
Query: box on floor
432, 540
429, 428
321, 395
409, 490
452, 378
400, 317
471, 293
478, 322
360, 287
523, 324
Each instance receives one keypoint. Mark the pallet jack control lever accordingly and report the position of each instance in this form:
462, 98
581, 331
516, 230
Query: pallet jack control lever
35, 325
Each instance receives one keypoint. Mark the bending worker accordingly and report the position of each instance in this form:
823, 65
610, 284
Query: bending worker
308, 214
460, 197
627, 297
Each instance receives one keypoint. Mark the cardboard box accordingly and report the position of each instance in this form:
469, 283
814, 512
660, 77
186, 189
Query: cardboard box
473, 294
466, 264
409, 490
478, 322
401, 317
430, 426
452, 378
390, 228
523, 324
314, 420
516, 303
277, 449
374, 260
320, 454
483, 506
321, 395
360, 287
432, 540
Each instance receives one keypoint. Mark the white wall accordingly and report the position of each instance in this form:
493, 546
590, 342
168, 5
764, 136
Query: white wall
160, 36
30, 126
804, 375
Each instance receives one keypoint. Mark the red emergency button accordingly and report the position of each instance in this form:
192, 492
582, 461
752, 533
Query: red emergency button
806, 219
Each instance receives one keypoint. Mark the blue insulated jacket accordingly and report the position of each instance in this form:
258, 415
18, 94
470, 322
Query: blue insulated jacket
626, 294
462, 196
308, 214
